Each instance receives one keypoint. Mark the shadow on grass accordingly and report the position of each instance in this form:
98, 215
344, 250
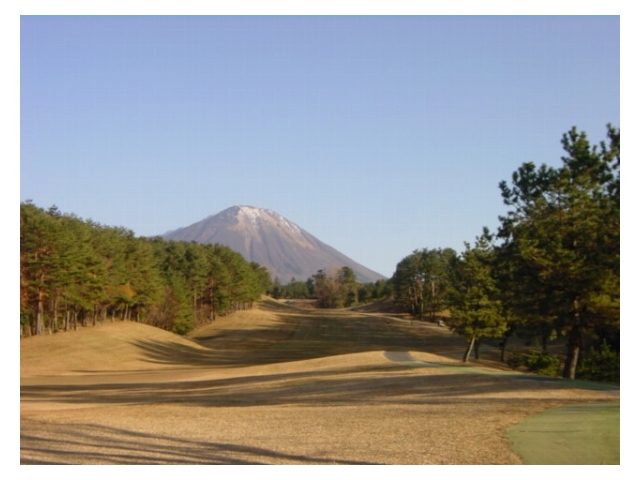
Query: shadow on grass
301, 335
383, 384
298, 337
309, 335
45, 443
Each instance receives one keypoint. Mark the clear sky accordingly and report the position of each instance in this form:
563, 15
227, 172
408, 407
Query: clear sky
378, 135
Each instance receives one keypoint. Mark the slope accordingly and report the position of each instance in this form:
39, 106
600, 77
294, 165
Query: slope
265, 237
274, 385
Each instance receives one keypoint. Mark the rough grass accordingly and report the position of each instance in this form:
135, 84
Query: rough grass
279, 384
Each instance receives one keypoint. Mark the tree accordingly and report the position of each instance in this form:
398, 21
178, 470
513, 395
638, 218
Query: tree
408, 283
421, 281
475, 306
326, 289
84, 271
347, 287
260, 281
38, 262
562, 238
337, 289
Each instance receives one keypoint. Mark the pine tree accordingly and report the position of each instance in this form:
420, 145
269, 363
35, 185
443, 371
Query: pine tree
562, 238
475, 307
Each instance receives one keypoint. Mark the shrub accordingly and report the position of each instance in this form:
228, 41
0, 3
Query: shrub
602, 364
182, 326
515, 360
542, 363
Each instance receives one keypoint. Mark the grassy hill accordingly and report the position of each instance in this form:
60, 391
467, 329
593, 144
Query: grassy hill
276, 384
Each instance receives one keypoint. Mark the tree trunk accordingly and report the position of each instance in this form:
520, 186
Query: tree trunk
53, 325
39, 326
503, 348
432, 306
212, 315
195, 307
573, 351
467, 353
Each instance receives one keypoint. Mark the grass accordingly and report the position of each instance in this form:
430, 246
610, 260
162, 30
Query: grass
586, 434
279, 384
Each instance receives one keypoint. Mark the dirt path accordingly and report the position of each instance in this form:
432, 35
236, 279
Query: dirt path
273, 385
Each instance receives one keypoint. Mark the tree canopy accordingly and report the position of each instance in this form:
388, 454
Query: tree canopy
551, 270
422, 281
75, 272
561, 238
475, 306
553, 267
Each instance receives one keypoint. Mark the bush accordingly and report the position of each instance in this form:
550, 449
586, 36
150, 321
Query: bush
602, 364
515, 360
182, 326
542, 363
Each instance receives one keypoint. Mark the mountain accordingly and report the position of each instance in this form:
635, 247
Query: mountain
265, 237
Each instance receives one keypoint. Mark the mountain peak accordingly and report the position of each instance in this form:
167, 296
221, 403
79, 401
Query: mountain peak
266, 237
248, 210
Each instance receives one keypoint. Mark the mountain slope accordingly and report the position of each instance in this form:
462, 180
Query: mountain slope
265, 237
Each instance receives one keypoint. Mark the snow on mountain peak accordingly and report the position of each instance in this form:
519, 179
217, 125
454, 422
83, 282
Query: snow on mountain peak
269, 239
257, 215
250, 212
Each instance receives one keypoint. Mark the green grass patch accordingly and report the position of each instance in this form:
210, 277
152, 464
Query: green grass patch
586, 434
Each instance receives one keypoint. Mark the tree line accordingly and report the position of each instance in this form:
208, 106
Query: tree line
75, 272
336, 288
551, 271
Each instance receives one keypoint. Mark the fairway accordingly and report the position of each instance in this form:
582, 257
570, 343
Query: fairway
276, 384
587, 434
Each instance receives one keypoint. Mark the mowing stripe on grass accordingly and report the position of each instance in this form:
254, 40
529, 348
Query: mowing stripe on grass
585, 434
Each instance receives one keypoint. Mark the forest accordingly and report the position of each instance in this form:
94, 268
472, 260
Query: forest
550, 272
75, 272
337, 288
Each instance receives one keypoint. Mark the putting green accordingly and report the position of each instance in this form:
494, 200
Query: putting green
587, 434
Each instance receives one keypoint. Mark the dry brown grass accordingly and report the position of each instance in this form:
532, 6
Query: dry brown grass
279, 385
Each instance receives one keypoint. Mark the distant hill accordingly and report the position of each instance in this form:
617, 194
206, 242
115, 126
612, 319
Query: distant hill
265, 237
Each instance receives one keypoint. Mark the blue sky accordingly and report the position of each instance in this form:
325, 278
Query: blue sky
378, 135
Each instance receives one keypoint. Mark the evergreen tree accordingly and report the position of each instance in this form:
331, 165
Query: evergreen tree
75, 271
347, 294
562, 238
475, 307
